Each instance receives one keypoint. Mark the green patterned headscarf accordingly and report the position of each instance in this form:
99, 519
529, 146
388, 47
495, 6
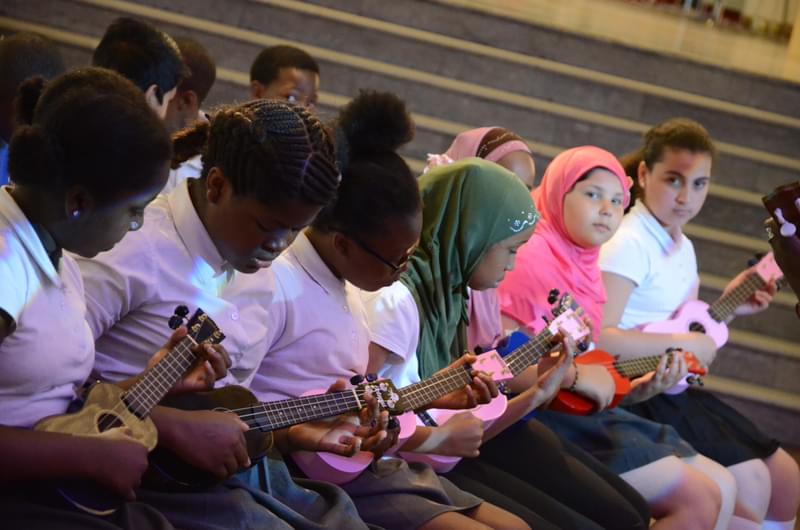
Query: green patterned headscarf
468, 206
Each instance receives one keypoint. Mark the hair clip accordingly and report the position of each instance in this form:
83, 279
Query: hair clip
787, 228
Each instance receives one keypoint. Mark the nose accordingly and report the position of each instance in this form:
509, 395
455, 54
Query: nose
278, 241
606, 208
683, 195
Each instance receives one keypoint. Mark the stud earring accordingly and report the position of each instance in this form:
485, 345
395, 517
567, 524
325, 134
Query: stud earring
135, 225
75, 214
787, 228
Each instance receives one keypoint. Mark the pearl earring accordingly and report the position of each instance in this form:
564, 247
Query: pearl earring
135, 225
76, 214
787, 228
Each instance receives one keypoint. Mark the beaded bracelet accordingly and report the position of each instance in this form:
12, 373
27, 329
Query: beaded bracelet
574, 384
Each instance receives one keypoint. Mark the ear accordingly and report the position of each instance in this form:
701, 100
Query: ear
641, 174
257, 90
217, 186
341, 244
151, 96
189, 101
78, 200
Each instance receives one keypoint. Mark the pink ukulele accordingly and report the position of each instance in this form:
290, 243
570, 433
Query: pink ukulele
340, 469
696, 315
567, 317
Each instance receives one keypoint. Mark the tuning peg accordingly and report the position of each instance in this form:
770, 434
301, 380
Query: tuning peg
182, 311
670, 349
755, 259
372, 377
174, 322
787, 228
583, 346
356, 379
546, 320
552, 296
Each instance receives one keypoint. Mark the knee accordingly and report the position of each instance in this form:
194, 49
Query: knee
783, 470
702, 496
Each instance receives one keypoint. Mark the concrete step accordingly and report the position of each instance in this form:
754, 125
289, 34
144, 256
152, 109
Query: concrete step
581, 51
304, 22
543, 122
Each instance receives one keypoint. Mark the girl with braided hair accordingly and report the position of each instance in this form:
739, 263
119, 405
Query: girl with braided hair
268, 169
315, 326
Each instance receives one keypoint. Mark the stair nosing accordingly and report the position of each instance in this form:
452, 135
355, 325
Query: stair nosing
462, 87
579, 72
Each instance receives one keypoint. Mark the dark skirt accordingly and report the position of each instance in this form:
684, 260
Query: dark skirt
619, 439
712, 427
570, 478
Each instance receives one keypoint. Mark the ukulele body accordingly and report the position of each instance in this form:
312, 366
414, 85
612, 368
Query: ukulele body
692, 316
169, 472
103, 410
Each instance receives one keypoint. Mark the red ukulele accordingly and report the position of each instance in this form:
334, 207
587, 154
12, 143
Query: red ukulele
622, 372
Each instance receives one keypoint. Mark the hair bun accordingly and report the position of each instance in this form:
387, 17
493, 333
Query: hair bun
375, 122
32, 154
28, 94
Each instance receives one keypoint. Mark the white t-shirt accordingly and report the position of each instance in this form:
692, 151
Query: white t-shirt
664, 271
50, 352
314, 326
133, 289
393, 320
190, 169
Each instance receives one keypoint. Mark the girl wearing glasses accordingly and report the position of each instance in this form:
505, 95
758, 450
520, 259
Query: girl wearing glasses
314, 324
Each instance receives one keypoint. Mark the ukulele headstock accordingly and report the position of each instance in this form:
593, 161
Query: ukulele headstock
768, 269
783, 204
569, 317
388, 396
201, 327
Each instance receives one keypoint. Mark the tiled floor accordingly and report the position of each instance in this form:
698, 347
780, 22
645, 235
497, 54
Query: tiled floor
648, 28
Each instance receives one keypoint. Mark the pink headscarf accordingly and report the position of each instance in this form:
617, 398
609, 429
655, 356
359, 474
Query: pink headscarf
484, 329
467, 143
550, 259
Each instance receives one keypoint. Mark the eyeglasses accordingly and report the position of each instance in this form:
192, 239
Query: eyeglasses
395, 267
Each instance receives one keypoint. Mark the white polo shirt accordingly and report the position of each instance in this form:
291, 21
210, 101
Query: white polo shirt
393, 319
191, 169
314, 325
50, 352
133, 289
664, 271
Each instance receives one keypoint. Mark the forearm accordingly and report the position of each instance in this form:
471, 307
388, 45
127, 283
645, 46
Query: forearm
633, 344
35, 455
516, 409
424, 440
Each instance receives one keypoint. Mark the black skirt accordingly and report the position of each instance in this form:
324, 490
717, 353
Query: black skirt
714, 428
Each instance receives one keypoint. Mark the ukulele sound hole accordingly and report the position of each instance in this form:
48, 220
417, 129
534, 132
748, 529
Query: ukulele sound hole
108, 421
696, 326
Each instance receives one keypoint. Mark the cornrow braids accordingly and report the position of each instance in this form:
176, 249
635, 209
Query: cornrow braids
272, 151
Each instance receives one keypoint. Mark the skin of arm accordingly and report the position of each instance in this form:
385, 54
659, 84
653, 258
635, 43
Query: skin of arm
631, 344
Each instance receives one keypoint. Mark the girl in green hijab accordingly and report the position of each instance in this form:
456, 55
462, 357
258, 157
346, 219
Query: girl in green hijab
475, 216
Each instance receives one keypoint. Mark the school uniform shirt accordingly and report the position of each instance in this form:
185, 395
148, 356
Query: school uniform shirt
393, 320
190, 169
133, 289
50, 350
314, 326
663, 270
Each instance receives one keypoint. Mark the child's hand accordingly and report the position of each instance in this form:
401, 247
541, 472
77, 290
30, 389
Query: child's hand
480, 391
209, 440
760, 299
463, 435
346, 434
212, 363
654, 383
117, 461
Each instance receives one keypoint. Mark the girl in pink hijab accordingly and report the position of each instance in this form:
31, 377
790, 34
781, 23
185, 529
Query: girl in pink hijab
506, 149
581, 199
